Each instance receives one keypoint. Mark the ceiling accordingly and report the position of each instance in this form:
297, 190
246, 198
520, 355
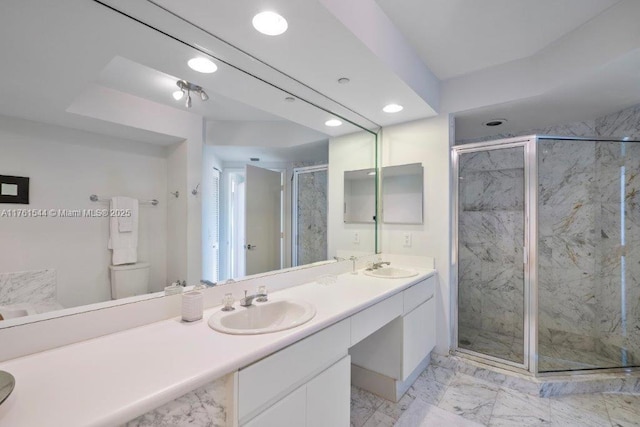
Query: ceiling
311, 152
603, 91
532, 62
317, 49
68, 67
457, 37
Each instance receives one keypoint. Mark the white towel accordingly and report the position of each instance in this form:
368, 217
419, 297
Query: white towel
125, 204
124, 244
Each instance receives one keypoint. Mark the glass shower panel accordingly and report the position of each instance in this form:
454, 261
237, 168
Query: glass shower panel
588, 254
491, 227
311, 213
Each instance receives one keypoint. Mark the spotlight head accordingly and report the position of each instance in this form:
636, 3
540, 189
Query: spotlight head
188, 103
203, 95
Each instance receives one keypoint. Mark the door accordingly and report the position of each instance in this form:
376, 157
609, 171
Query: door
492, 290
263, 220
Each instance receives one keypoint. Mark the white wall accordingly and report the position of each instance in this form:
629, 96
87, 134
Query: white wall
65, 166
350, 152
425, 141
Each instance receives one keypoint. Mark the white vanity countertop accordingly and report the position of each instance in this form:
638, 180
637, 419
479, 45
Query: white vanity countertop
112, 379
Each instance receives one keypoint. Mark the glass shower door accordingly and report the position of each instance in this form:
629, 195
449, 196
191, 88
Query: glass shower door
589, 254
491, 226
309, 214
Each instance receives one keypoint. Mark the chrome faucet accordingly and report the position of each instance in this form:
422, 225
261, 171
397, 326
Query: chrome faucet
353, 260
248, 299
377, 265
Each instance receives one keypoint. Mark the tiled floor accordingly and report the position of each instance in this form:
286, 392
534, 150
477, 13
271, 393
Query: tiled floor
442, 398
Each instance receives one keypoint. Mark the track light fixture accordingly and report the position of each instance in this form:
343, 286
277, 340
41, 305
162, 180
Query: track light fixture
186, 88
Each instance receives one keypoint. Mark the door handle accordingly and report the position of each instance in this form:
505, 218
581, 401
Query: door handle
249, 247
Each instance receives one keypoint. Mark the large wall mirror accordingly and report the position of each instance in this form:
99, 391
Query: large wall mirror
211, 175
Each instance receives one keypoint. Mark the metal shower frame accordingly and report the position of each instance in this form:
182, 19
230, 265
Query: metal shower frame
530, 362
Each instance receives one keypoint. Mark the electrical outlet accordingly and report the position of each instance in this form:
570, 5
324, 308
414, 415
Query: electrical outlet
356, 237
406, 242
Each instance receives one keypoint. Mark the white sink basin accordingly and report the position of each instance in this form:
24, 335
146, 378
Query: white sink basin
262, 318
391, 273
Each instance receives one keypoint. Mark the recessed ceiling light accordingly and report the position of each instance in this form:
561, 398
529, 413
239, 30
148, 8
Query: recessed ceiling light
392, 108
177, 95
202, 65
270, 23
333, 123
343, 80
495, 122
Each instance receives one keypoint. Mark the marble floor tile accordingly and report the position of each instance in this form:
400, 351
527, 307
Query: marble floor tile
492, 343
396, 409
423, 414
470, 397
363, 406
579, 410
379, 419
471, 401
624, 409
444, 361
513, 408
439, 374
427, 389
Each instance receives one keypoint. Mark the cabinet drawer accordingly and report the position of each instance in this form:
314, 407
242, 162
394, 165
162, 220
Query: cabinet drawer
289, 412
271, 378
419, 336
329, 396
418, 293
373, 318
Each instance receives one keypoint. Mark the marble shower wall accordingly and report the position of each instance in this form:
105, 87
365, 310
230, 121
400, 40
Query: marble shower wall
312, 217
491, 237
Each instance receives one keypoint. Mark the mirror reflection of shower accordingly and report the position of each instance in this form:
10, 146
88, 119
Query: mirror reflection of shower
309, 214
271, 208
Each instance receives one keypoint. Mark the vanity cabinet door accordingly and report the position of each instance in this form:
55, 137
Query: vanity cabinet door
288, 412
419, 336
329, 395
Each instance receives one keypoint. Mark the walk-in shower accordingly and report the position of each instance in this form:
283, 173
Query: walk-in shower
547, 251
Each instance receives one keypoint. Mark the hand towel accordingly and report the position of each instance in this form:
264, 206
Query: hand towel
124, 245
126, 204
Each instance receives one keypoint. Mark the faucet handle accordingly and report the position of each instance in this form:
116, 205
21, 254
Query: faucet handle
262, 294
228, 302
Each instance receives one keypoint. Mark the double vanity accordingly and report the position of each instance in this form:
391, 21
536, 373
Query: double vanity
258, 372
